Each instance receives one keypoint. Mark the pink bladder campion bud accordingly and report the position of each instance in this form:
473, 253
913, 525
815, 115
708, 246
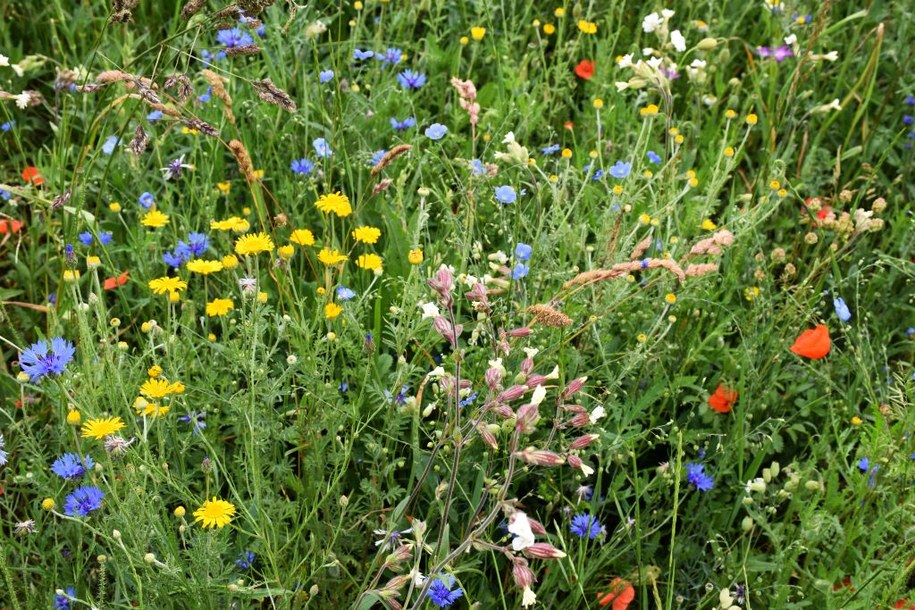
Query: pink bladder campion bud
523, 575
503, 410
493, 378
574, 386
400, 554
524, 331
540, 457
577, 463
537, 527
580, 420
535, 380
444, 328
487, 436
583, 441
528, 416
513, 393
443, 283
543, 550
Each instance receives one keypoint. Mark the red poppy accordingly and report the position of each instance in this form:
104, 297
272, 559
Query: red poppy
10, 226
813, 343
723, 399
902, 604
31, 174
113, 282
621, 594
584, 70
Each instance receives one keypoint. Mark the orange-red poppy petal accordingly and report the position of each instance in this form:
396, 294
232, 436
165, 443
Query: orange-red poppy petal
10, 226
31, 174
813, 343
621, 595
585, 69
723, 399
113, 282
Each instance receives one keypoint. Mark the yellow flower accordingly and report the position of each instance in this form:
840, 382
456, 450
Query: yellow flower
670, 298
693, 182
598, 103
367, 235
303, 237
559, 12
215, 513
219, 307
233, 223
332, 310
477, 33
211, 337
464, 40
179, 512
93, 262
750, 293
415, 256
154, 219
285, 252
644, 219
649, 110
678, 138
229, 261
369, 261
775, 185
338, 203
114, 206
154, 371
253, 244
262, 297
782, 193
856, 421
729, 151
566, 153
155, 387
617, 189
73, 417
752, 119
223, 187
167, 284
708, 225
587, 27
187, 130
100, 428
321, 290
331, 257
730, 114
48, 504
549, 29
149, 409
641, 338
71, 275
204, 267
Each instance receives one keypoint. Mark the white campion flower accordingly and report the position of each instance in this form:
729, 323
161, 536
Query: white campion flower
530, 352
430, 310
538, 395
23, 99
667, 13
554, 374
790, 40
647, 51
19, 70
651, 22
625, 61
597, 414
833, 105
4, 61
436, 373
497, 364
677, 39
520, 526
528, 598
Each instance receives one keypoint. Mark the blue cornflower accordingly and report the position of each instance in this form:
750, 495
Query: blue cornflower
69, 254
523, 252
549, 150
262, 30
302, 166
235, 37
842, 309
910, 100
198, 243
205, 98
62, 602
344, 293
172, 260
85, 238
436, 131
378, 155
71, 466
52, 298
476, 167
585, 526
598, 175
468, 400
621, 169
7, 126
520, 271
696, 475
196, 420
5, 195
392, 55
325, 76
653, 156
360, 55
440, 592
907, 119
110, 143
403, 125
147, 200
505, 194
322, 148
154, 116
40, 359
83, 501
409, 79
344, 387
3, 454
245, 560
864, 464
402, 395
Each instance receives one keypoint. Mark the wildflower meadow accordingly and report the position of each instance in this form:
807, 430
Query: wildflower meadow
457, 304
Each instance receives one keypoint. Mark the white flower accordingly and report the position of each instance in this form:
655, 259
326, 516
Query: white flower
625, 61
554, 374
724, 598
698, 64
538, 395
667, 13
530, 352
23, 99
655, 62
528, 598
18, 70
831, 56
833, 105
597, 414
4, 60
709, 100
677, 39
430, 310
621, 86
651, 22
497, 364
418, 578
586, 470
647, 51
436, 373
790, 40
520, 526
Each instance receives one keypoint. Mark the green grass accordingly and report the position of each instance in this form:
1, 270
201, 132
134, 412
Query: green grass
320, 430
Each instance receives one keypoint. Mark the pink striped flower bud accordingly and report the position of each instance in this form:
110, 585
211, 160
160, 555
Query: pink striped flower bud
487, 436
513, 393
400, 554
574, 386
543, 550
503, 410
535, 380
443, 282
540, 457
528, 416
583, 441
494, 378
574, 408
523, 575
527, 365
580, 420
524, 331
477, 293
537, 527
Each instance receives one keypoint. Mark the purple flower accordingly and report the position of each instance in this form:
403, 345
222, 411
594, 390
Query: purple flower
302, 166
235, 37
403, 125
344, 293
62, 602
377, 156
198, 243
39, 359
782, 53
391, 56
520, 271
147, 200
110, 143
864, 464
476, 167
196, 420
7, 126
585, 526
71, 466
653, 156
409, 79
325, 76
360, 55
83, 501
440, 592
842, 310
549, 150
696, 475
85, 238
505, 194
436, 131
245, 560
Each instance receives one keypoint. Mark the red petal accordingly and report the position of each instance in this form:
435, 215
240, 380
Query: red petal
723, 399
813, 343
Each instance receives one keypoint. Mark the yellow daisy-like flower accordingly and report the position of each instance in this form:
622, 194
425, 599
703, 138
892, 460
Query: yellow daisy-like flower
367, 235
477, 33
549, 29
100, 428
369, 261
649, 110
587, 27
303, 237
155, 388
167, 284
670, 298
233, 223
219, 307
154, 219
73, 417
708, 225
752, 119
229, 261
338, 203
331, 257
215, 513
154, 371
149, 409
204, 267
253, 244
415, 256
332, 310
223, 187
285, 252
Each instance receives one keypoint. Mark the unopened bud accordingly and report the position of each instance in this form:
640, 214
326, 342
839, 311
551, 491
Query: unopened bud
583, 441
523, 575
707, 44
543, 550
574, 387
540, 457
513, 393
